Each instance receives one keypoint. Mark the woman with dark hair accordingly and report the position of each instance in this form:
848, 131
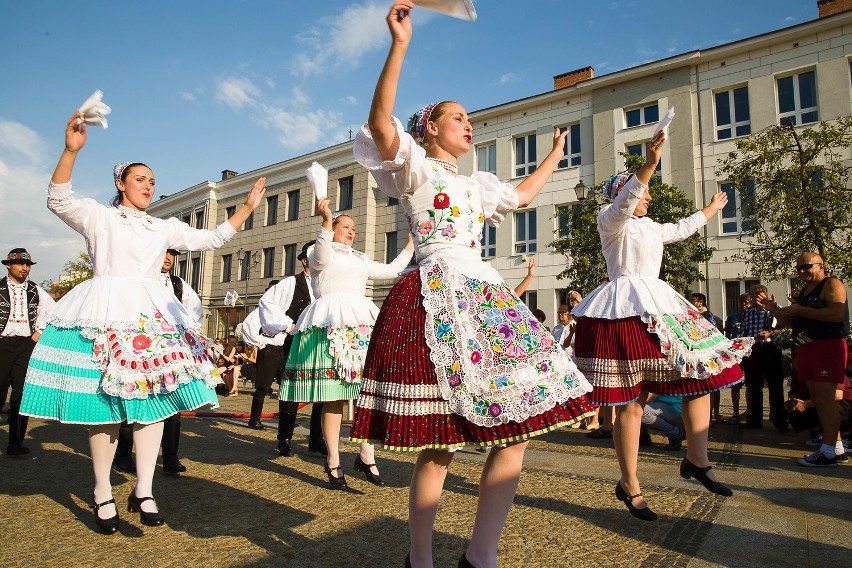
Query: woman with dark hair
636, 335
456, 359
118, 347
326, 359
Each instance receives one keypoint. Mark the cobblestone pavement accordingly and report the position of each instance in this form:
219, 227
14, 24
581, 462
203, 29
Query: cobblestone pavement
241, 504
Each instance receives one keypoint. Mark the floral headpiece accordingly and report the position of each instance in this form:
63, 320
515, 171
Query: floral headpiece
614, 184
417, 122
118, 169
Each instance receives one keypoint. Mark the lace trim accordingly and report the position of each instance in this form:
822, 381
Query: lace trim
91, 328
63, 357
693, 346
348, 347
494, 362
61, 381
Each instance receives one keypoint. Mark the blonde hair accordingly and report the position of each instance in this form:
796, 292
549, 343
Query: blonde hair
435, 114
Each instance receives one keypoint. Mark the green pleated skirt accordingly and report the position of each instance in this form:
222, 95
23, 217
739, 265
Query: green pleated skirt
64, 383
311, 375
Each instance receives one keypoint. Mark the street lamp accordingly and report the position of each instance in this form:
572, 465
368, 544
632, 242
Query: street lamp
582, 191
253, 261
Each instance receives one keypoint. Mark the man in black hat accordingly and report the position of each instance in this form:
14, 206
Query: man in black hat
123, 460
279, 309
23, 314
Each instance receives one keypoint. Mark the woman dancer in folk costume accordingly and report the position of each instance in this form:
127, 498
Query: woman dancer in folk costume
456, 358
120, 347
636, 335
326, 360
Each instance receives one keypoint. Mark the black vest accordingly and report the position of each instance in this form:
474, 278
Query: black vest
177, 286
301, 298
6, 304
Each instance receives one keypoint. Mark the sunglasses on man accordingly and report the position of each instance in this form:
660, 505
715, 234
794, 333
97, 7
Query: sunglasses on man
807, 266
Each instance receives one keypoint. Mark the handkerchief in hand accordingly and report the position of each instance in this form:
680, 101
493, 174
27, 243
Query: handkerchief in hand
318, 178
664, 123
95, 110
457, 8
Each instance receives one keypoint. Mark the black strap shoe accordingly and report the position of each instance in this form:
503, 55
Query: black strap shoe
284, 448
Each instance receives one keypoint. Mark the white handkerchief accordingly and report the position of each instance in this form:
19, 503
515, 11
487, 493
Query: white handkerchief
318, 178
457, 8
664, 123
95, 110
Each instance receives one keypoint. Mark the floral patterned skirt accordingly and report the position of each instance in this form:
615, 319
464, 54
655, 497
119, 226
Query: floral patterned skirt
624, 357
117, 376
320, 368
403, 403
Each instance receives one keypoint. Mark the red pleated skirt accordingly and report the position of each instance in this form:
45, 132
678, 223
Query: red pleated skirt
621, 359
400, 406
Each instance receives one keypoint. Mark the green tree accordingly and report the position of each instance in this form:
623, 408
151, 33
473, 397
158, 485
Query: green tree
795, 196
581, 242
76, 271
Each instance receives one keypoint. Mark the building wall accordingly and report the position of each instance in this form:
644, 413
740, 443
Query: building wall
687, 82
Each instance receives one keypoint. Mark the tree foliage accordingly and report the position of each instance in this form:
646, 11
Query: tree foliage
800, 199
76, 271
581, 245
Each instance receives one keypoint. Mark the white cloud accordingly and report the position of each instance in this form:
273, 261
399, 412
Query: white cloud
300, 129
188, 97
789, 19
341, 40
236, 92
348, 100
24, 216
506, 78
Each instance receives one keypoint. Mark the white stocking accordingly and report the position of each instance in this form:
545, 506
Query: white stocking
147, 438
103, 439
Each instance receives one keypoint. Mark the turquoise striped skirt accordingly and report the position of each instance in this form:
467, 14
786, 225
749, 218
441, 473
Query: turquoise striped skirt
312, 373
64, 383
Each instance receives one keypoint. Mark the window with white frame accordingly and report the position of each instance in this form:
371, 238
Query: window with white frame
733, 117
530, 299
249, 222
229, 211
289, 264
199, 219
639, 150
563, 219
486, 158
641, 115
268, 262
489, 241
195, 277
525, 232
797, 99
571, 148
735, 217
525, 159
733, 290
293, 205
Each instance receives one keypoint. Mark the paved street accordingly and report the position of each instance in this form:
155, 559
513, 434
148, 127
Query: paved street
241, 504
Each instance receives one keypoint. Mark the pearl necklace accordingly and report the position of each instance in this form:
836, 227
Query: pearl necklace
131, 211
447, 165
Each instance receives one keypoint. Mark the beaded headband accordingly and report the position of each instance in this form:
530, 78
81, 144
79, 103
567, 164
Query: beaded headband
614, 184
417, 122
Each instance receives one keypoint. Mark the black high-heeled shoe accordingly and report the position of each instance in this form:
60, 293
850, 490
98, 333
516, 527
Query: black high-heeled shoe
134, 505
106, 526
689, 469
645, 513
336, 482
365, 469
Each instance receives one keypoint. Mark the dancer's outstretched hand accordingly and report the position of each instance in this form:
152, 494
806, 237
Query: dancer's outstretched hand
399, 21
324, 210
255, 196
75, 132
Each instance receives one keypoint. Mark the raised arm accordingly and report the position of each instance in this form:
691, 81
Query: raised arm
380, 121
525, 283
529, 188
253, 200
75, 139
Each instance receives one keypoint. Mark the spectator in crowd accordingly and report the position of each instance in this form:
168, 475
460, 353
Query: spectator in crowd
764, 364
819, 316
664, 414
734, 328
802, 412
699, 300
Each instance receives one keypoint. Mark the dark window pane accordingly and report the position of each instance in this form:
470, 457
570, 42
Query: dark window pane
393, 201
812, 116
520, 151
786, 100
531, 169
272, 210
723, 134
292, 205
346, 192
249, 223
575, 161
575, 139
634, 118
635, 150
521, 227
807, 90
723, 109
788, 121
229, 211
531, 230
744, 130
531, 148
652, 114
729, 227
741, 110
730, 209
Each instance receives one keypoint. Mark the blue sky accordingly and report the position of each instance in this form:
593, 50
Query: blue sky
201, 86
